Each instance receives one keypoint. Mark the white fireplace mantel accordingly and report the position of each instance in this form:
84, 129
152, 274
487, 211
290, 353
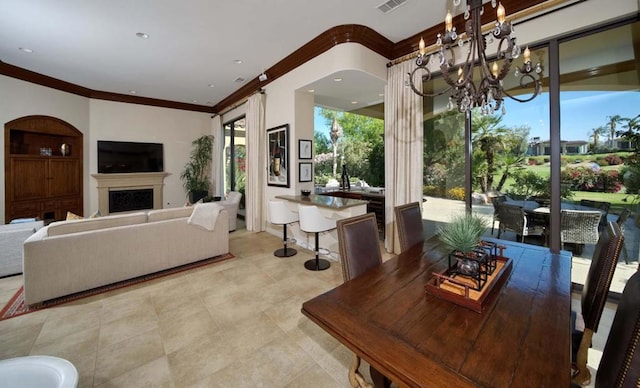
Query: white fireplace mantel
129, 181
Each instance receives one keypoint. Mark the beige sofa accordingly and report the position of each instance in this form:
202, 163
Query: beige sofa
72, 256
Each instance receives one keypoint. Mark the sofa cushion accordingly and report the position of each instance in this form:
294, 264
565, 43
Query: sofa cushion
84, 225
169, 214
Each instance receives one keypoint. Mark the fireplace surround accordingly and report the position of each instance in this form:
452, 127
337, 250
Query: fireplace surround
107, 183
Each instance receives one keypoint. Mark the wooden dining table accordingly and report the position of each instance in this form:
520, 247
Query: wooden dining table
416, 339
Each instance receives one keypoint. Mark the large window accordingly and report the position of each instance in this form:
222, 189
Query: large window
235, 156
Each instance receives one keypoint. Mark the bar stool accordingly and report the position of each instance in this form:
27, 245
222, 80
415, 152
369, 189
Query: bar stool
312, 221
280, 214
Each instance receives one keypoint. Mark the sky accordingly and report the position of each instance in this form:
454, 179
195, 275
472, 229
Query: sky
580, 113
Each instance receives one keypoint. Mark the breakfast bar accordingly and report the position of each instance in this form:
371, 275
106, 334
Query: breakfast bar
331, 207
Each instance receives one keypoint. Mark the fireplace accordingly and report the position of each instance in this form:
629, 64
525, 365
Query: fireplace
127, 192
128, 200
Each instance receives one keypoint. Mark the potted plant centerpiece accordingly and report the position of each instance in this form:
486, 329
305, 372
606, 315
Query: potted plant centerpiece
462, 236
196, 174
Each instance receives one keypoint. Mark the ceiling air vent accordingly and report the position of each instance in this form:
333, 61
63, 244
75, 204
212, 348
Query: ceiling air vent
390, 5
239, 80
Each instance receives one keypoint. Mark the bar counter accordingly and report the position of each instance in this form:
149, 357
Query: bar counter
330, 207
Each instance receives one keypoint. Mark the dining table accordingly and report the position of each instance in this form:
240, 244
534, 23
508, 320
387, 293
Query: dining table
522, 338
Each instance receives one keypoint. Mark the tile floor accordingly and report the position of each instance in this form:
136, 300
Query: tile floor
231, 324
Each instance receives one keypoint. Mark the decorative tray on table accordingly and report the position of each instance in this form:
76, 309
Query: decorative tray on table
474, 280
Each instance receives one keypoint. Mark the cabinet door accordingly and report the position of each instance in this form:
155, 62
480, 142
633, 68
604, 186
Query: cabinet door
29, 178
64, 177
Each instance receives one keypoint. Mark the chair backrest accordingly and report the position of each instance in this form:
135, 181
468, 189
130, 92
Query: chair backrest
600, 275
512, 217
622, 218
409, 221
312, 221
280, 214
620, 362
497, 201
234, 197
579, 226
359, 246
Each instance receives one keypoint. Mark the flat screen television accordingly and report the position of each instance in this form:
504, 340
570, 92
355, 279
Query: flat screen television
125, 157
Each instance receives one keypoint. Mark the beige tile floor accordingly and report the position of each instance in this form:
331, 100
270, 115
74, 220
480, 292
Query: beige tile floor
231, 324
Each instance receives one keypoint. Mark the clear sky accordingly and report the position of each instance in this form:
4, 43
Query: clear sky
580, 113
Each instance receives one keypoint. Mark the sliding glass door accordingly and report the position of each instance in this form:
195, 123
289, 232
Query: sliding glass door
235, 156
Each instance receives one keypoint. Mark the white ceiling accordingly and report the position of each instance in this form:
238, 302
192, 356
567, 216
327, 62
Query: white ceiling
192, 43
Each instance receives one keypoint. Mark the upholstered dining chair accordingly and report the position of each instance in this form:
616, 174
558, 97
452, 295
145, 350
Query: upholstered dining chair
513, 218
579, 227
359, 252
594, 296
620, 362
409, 221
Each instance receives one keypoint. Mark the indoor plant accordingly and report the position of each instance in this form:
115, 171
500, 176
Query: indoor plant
196, 174
462, 235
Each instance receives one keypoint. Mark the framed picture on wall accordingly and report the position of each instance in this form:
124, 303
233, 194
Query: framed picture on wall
278, 156
305, 149
305, 172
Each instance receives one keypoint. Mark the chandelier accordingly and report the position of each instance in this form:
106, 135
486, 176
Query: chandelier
488, 92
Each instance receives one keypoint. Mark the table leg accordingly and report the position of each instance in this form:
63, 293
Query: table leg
355, 378
379, 380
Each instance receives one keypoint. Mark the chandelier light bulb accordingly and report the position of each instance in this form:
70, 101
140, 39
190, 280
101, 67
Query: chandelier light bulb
501, 14
494, 69
448, 22
422, 47
527, 55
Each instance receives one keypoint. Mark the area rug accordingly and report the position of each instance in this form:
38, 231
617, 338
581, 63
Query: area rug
16, 305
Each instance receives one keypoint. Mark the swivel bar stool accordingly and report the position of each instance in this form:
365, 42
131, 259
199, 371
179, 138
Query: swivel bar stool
312, 221
280, 214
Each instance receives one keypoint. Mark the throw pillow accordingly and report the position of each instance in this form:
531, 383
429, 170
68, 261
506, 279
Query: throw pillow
72, 216
96, 214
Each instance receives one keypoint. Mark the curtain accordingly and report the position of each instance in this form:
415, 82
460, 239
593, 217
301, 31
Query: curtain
256, 166
218, 162
403, 138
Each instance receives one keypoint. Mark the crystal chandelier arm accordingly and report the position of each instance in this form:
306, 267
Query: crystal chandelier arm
524, 81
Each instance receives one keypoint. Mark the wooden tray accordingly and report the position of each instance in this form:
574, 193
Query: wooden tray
459, 290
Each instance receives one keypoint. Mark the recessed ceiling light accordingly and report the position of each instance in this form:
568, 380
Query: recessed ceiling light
132, 91
142, 35
212, 85
237, 61
194, 101
380, 94
354, 102
311, 90
25, 50
337, 79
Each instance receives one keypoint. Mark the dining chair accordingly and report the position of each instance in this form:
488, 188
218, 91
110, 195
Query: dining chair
622, 223
409, 221
594, 296
496, 202
620, 362
359, 252
513, 218
579, 227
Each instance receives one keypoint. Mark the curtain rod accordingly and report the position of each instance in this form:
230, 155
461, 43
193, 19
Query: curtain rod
524, 14
238, 103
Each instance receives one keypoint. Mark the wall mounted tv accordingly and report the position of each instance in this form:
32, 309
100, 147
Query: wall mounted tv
125, 157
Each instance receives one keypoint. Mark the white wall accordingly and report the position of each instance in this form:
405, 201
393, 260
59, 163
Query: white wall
131, 122
107, 120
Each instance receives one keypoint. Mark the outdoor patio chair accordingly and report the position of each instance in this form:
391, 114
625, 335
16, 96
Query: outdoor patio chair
513, 218
622, 221
496, 202
579, 227
603, 206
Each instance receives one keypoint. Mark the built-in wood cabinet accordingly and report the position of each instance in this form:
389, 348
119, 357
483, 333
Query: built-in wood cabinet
43, 178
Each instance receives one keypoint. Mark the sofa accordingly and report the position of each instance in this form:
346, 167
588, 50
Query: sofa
12, 236
71, 256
